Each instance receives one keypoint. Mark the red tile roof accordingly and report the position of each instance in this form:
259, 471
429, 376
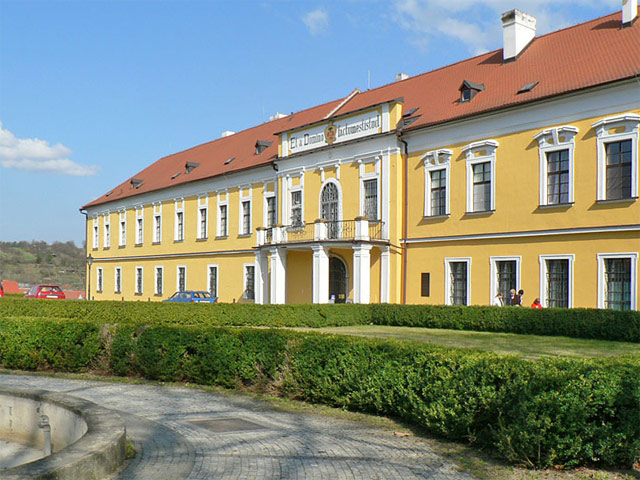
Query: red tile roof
578, 57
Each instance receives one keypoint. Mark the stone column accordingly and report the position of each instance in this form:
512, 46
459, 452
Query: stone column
320, 274
278, 275
385, 272
262, 280
361, 273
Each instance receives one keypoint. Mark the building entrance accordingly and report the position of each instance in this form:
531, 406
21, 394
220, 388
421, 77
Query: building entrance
337, 280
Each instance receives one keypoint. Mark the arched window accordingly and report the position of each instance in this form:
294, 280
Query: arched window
330, 207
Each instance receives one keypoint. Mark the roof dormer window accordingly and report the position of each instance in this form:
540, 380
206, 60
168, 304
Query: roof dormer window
261, 146
468, 90
190, 166
136, 182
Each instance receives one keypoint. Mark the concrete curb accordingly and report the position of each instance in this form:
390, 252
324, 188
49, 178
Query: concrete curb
94, 456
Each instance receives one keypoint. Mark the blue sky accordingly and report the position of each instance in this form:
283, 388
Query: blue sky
91, 92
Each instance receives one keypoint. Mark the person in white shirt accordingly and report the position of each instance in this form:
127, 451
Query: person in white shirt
498, 302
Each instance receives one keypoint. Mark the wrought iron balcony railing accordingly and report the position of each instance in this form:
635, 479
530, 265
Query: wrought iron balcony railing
360, 229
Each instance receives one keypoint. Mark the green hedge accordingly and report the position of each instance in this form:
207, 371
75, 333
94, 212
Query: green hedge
575, 322
543, 413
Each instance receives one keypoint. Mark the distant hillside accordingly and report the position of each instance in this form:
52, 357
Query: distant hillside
39, 262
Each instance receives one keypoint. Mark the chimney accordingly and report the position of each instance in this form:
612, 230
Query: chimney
518, 29
629, 12
277, 116
401, 76
226, 133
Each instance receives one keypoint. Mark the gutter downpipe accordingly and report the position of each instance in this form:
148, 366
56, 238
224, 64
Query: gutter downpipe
405, 207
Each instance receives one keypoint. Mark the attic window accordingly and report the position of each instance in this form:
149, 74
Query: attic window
175, 175
190, 166
108, 194
261, 146
229, 160
135, 182
410, 112
528, 87
468, 90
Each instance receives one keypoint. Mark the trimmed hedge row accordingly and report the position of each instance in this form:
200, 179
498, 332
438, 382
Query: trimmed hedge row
578, 322
543, 413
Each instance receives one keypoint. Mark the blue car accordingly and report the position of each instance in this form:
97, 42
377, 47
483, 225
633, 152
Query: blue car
191, 296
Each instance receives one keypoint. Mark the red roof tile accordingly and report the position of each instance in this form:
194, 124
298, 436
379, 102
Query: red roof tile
578, 57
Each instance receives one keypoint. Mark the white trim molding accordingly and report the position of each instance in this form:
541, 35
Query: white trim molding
139, 225
96, 232
617, 129
494, 279
203, 205
447, 275
475, 153
99, 279
156, 290
543, 277
107, 230
178, 267
551, 140
179, 234
139, 286
117, 280
157, 222
122, 227
339, 187
217, 268
222, 232
363, 176
436, 160
242, 198
633, 256
245, 267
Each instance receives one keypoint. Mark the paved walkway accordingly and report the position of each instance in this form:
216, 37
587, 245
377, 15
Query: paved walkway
185, 433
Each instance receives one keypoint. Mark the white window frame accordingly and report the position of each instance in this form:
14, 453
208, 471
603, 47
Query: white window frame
99, 279
543, 276
266, 195
179, 236
158, 268
606, 130
433, 161
245, 198
447, 277
217, 267
178, 267
96, 232
338, 185
117, 275
633, 256
157, 221
107, 230
375, 175
222, 203
554, 140
122, 224
139, 269
494, 270
244, 280
203, 205
481, 152
139, 225
297, 188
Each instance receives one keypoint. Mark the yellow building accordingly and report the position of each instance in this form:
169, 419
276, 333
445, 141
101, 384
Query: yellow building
516, 169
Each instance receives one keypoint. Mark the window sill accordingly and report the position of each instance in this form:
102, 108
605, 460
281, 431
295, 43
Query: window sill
138, 294
159, 295
480, 213
617, 200
117, 292
222, 237
244, 235
121, 246
178, 241
156, 243
106, 248
444, 215
557, 205
202, 239
139, 245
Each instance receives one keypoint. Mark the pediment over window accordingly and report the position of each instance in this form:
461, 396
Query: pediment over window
437, 157
625, 123
556, 135
485, 148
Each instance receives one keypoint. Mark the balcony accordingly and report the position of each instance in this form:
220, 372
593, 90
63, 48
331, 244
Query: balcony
359, 229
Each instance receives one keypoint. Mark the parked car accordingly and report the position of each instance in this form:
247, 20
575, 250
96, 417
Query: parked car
45, 291
192, 296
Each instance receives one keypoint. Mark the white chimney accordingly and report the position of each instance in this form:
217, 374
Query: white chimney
277, 116
226, 133
518, 29
401, 76
629, 12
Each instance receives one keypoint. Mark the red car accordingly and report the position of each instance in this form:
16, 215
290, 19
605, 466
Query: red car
45, 291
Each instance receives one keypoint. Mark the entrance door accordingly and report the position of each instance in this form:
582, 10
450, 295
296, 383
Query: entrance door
329, 205
337, 280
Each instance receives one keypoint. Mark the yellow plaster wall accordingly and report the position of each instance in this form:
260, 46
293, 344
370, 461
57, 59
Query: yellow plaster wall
299, 277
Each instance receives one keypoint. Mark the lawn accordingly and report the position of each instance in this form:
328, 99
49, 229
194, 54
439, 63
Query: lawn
528, 346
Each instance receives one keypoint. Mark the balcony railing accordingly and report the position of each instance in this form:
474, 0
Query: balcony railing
359, 229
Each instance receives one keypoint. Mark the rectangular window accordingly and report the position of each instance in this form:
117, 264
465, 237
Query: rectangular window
99, 279
618, 171
159, 280
118, 280
617, 283
371, 199
95, 234
506, 277
213, 280
179, 226
249, 282
139, 231
558, 177
438, 192
271, 211
557, 283
296, 208
107, 236
203, 223
182, 278
458, 283
157, 229
123, 233
223, 227
482, 187
138, 280
246, 218
425, 284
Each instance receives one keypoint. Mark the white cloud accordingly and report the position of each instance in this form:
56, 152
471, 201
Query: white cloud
35, 155
317, 21
476, 23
